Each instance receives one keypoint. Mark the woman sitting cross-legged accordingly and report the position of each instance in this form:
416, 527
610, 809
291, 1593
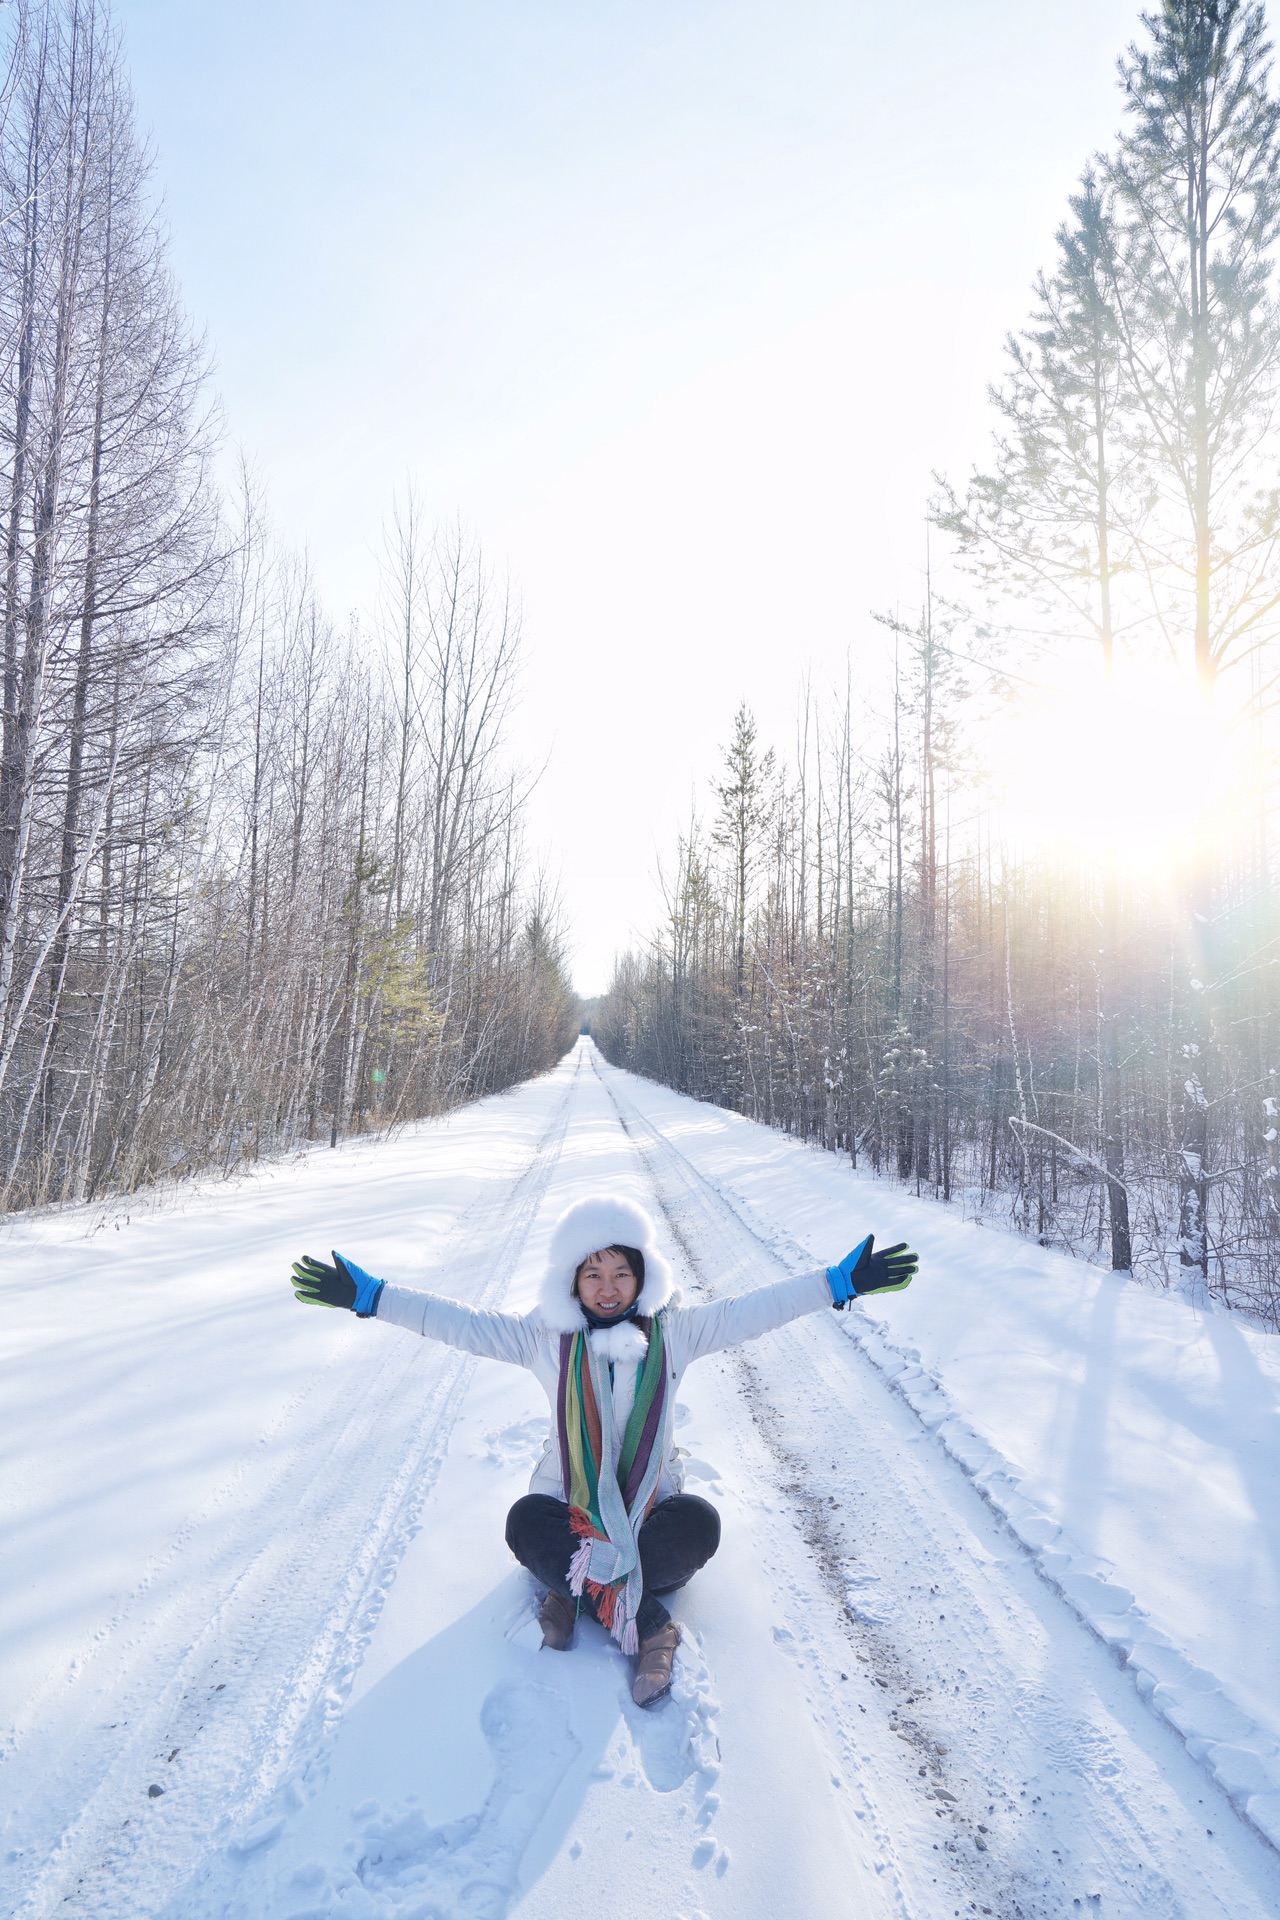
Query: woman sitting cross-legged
607, 1527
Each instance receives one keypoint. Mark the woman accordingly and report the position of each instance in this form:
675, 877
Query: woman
606, 1526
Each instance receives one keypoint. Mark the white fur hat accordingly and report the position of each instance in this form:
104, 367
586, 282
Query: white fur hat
606, 1220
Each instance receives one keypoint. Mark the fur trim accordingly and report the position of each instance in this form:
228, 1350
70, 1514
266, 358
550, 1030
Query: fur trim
622, 1343
605, 1220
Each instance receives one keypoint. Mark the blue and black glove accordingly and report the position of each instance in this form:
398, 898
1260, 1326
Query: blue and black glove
865, 1271
344, 1284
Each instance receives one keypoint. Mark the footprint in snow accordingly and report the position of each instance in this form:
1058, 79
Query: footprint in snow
702, 1473
469, 1869
679, 1738
518, 1445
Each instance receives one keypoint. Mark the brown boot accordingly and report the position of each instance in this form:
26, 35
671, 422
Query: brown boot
653, 1670
556, 1617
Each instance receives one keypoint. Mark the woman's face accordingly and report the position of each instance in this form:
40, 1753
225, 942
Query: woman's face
606, 1284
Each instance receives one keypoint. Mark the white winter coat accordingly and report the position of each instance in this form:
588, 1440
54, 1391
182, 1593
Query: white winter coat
532, 1340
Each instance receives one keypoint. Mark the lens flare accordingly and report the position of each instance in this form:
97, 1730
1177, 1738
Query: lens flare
1139, 769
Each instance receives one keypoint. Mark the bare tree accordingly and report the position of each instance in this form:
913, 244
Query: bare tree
259, 881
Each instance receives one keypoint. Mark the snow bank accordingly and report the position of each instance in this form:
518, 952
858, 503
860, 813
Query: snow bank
1129, 1439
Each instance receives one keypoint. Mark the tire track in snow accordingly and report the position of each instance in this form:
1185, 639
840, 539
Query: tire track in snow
237, 1691
698, 1216
1239, 1756
1123, 1836
651, 1779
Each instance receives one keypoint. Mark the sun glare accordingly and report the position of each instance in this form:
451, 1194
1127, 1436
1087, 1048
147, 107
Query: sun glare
1137, 769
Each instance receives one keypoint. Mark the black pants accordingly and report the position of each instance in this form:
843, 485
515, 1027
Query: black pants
680, 1535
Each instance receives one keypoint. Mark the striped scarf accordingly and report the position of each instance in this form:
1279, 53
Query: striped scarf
607, 1509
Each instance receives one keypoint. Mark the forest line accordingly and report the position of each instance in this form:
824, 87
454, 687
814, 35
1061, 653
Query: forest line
262, 880
856, 948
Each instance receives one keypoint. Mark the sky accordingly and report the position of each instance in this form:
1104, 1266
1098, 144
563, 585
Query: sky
677, 306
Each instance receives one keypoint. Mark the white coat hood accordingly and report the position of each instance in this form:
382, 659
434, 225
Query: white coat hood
605, 1220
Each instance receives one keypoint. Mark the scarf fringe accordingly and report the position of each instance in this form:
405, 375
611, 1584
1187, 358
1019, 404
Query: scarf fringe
578, 1566
607, 1600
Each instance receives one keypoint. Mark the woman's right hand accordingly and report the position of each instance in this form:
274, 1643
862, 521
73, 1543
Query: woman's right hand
344, 1284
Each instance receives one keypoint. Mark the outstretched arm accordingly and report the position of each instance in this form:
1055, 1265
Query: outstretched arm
697, 1331
496, 1336
723, 1323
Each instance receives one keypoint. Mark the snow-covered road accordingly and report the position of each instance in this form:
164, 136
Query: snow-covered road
266, 1654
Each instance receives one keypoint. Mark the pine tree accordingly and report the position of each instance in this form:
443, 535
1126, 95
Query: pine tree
1061, 517
742, 792
1197, 180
